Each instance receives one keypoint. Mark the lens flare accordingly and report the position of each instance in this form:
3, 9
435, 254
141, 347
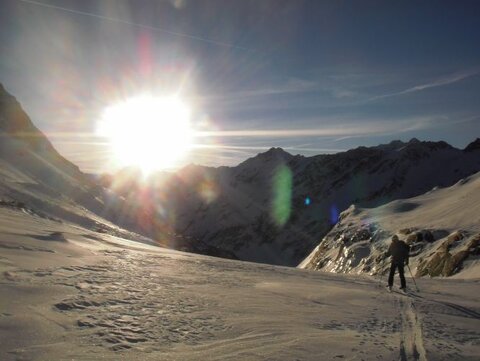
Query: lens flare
208, 190
333, 214
282, 195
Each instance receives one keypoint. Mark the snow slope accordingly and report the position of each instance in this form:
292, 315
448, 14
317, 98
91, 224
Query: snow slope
442, 227
67, 293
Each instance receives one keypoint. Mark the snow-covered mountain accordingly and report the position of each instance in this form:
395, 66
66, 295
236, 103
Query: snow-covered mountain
442, 228
275, 207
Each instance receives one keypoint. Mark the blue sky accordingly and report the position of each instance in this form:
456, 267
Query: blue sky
309, 76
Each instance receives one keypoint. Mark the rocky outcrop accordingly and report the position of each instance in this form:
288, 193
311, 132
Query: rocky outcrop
450, 255
440, 227
353, 249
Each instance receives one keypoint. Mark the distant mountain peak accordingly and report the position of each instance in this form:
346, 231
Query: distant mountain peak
393, 145
274, 154
414, 143
17, 125
475, 145
276, 151
15, 122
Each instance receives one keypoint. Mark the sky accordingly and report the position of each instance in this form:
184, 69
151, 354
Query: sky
311, 77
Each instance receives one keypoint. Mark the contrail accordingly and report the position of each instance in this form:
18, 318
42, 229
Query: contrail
439, 82
107, 18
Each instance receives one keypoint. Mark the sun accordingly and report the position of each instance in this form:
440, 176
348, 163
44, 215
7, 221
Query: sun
148, 132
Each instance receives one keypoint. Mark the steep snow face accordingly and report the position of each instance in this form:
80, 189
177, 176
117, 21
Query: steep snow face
28, 148
442, 228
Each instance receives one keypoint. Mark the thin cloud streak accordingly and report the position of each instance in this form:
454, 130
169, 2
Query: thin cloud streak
439, 82
346, 130
73, 142
263, 148
293, 85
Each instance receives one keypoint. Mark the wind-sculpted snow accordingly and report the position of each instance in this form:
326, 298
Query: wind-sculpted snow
130, 301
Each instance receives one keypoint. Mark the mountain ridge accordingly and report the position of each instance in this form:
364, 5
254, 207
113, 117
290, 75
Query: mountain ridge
241, 214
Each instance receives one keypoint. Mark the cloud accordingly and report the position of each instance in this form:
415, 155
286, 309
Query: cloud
340, 93
289, 86
339, 129
453, 78
248, 149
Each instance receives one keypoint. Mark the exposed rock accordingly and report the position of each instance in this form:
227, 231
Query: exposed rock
406, 230
443, 262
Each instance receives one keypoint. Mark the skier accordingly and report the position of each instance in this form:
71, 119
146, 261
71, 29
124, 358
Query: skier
399, 251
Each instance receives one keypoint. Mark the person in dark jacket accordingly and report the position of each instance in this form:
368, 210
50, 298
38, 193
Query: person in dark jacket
399, 251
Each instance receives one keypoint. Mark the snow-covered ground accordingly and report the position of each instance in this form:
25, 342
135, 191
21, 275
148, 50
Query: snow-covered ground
67, 293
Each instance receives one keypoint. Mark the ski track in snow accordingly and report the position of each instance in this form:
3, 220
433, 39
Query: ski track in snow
411, 339
443, 340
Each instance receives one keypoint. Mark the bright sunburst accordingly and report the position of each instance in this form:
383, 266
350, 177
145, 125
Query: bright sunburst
149, 132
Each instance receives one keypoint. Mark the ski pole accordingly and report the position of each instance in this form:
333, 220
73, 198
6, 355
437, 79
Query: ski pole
381, 278
413, 278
